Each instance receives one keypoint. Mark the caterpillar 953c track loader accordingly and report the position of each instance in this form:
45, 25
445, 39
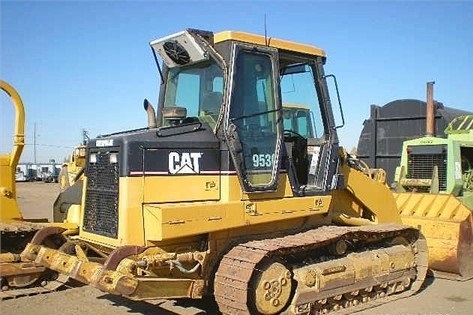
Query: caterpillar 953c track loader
216, 198
19, 276
434, 185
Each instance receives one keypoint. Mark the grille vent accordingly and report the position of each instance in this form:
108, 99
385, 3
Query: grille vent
421, 166
101, 201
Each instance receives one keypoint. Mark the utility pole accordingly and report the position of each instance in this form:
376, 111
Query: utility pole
85, 136
34, 143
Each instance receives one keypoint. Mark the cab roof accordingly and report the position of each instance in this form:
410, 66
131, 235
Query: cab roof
269, 41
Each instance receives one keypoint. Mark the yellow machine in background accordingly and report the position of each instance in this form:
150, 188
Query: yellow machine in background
19, 276
67, 206
73, 168
217, 197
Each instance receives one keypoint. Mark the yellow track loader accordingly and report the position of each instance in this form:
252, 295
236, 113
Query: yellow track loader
217, 198
73, 168
19, 276
66, 207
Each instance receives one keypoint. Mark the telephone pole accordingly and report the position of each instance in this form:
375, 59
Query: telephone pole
34, 143
85, 136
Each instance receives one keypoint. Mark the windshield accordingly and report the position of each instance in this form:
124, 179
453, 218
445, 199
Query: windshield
198, 88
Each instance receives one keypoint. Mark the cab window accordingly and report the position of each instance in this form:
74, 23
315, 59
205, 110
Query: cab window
253, 113
198, 88
300, 102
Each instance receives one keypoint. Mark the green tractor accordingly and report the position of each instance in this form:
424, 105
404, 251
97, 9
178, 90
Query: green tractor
434, 191
440, 165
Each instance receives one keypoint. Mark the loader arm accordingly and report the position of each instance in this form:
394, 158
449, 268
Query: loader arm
364, 200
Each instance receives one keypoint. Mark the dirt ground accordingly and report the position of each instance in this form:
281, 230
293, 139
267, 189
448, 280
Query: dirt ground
438, 296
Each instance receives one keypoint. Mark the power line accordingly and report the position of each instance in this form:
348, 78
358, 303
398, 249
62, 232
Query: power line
50, 145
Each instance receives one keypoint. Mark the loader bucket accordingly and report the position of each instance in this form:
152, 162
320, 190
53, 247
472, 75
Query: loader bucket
447, 225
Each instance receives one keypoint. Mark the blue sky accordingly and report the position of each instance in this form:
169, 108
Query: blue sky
88, 65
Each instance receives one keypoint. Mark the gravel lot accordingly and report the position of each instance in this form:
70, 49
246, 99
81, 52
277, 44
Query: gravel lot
438, 297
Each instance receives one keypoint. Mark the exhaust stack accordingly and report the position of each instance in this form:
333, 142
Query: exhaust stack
430, 111
152, 122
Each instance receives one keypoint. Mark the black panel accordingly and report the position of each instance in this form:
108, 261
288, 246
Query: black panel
177, 161
380, 142
133, 144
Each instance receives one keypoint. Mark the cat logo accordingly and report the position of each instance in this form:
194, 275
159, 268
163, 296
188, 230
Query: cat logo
184, 163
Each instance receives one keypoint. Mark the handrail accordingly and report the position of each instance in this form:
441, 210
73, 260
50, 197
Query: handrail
19, 131
460, 124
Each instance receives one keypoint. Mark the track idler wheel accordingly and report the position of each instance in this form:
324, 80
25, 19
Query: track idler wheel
273, 288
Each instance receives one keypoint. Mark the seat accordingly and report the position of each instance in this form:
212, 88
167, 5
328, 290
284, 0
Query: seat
211, 103
210, 108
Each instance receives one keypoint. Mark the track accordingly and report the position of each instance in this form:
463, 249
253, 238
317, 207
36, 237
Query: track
246, 274
20, 278
44, 287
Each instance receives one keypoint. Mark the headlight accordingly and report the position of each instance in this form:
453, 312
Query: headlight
113, 158
93, 158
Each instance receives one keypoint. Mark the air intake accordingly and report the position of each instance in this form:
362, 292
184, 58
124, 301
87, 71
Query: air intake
179, 49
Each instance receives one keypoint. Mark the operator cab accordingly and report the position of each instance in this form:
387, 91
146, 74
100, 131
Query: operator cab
237, 84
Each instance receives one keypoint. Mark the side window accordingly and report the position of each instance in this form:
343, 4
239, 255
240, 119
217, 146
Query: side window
212, 97
303, 124
188, 87
198, 88
288, 121
299, 94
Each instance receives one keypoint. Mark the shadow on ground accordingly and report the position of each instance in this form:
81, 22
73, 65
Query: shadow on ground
165, 307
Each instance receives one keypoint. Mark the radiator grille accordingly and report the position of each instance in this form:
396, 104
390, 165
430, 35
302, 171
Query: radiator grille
101, 201
421, 166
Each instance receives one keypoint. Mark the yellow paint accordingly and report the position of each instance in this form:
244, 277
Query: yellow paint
167, 221
178, 220
365, 197
9, 209
446, 224
158, 189
151, 210
272, 42
166, 288
266, 211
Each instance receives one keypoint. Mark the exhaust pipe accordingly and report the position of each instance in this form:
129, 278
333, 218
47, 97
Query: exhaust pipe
430, 111
152, 122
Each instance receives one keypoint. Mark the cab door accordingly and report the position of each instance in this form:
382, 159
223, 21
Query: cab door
252, 131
